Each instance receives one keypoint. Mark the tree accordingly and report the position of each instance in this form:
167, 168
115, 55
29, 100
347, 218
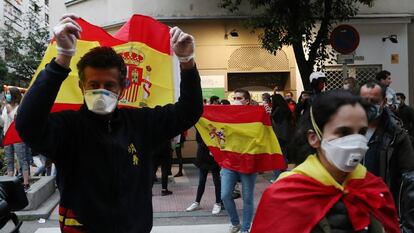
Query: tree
23, 50
303, 24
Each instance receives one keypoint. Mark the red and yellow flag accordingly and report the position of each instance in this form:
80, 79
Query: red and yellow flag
152, 70
241, 138
309, 191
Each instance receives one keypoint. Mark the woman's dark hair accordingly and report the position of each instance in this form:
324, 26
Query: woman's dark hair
324, 106
102, 58
16, 96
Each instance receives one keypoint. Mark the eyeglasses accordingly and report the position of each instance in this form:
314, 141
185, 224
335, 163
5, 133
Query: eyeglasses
238, 98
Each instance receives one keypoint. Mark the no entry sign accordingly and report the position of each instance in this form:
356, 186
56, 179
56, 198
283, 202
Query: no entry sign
344, 39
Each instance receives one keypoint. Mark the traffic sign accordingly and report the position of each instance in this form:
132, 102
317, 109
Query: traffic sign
344, 39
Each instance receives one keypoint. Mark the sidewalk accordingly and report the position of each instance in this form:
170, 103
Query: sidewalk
216, 228
184, 192
169, 211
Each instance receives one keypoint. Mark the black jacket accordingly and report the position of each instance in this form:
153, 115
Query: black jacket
104, 167
406, 114
391, 147
204, 159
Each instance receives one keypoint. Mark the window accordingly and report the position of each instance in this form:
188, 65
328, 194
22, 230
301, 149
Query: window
362, 73
47, 2
47, 18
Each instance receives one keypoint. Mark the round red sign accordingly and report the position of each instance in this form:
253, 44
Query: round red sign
344, 39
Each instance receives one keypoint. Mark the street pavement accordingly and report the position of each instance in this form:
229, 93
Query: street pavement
169, 211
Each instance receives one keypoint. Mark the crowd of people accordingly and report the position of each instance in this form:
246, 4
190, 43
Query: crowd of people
18, 157
352, 149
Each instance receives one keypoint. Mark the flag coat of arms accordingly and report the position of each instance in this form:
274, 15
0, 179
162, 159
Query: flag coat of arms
241, 138
152, 69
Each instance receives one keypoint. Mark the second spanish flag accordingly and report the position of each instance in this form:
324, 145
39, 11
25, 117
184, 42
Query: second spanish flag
241, 138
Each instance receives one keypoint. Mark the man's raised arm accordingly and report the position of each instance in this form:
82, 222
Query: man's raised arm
32, 118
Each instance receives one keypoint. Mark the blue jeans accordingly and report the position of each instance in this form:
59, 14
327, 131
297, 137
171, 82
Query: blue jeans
229, 179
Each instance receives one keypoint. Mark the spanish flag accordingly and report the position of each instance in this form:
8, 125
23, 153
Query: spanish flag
300, 199
241, 138
152, 69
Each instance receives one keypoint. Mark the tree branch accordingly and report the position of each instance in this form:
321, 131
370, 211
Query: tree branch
323, 31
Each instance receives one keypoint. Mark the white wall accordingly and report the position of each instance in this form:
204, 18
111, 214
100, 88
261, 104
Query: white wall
376, 51
389, 7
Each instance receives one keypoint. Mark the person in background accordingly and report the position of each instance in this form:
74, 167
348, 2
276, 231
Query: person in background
177, 147
289, 100
350, 84
302, 105
281, 117
162, 156
224, 102
267, 102
406, 114
318, 82
331, 191
384, 77
214, 100
9, 112
205, 163
390, 154
229, 179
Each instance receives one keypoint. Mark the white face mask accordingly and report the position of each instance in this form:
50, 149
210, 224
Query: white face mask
346, 86
347, 152
101, 101
237, 102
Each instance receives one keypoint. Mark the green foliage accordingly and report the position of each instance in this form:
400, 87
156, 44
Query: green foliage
23, 50
303, 24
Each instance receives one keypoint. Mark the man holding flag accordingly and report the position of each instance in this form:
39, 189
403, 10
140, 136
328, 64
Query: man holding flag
102, 153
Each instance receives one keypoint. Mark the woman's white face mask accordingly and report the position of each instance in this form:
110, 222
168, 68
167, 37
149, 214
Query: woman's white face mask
345, 153
101, 101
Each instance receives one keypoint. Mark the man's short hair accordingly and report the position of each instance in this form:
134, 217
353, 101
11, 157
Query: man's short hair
401, 95
382, 75
245, 93
372, 83
102, 58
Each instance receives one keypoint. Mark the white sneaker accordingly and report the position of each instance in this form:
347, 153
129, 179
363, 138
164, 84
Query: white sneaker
216, 209
235, 229
194, 206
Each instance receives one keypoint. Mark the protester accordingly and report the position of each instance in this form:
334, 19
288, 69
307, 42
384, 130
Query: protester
331, 191
229, 179
317, 80
162, 156
302, 105
390, 154
177, 147
8, 114
406, 114
281, 117
224, 102
289, 100
350, 84
103, 153
205, 163
384, 77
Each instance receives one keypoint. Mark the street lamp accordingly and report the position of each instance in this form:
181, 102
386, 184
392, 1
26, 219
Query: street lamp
392, 38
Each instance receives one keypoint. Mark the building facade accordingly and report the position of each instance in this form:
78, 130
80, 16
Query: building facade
16, 11
229, 56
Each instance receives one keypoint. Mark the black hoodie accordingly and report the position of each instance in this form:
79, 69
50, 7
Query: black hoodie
104, 167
